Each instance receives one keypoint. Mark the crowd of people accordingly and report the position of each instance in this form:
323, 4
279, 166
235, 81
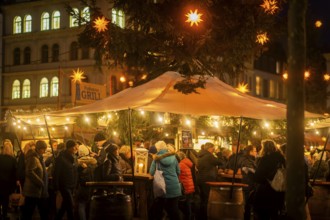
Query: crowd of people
62, 173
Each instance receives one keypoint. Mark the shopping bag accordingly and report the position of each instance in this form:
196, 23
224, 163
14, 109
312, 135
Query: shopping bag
16, 199
159, 186
278, 182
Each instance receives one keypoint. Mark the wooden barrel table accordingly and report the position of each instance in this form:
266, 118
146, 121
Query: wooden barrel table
225, 201
319, 203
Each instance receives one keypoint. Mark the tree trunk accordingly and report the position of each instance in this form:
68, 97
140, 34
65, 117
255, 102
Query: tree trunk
295, 194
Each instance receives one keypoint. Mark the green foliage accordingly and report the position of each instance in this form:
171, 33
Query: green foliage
157, 38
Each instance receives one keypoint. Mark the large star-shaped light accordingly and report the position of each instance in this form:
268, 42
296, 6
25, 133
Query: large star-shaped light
194, 17
242, 87
262, 38
100, 24
77, 76
269, 6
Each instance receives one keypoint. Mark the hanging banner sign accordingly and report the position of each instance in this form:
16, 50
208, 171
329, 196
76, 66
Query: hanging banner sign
85, 93
187, 142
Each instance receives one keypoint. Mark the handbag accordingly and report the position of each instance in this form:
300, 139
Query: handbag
159, 186
278, 182
16, 199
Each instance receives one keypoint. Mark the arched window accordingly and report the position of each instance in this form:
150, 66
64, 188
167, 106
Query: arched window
27, 55
43, 88
55, 53
56, 20
27, 23
118, 17
44, 54
16, 91
74, 51
54, 86
26, 89
86, 16
74, 22
45, 21
85, 52
17, 25
17, 56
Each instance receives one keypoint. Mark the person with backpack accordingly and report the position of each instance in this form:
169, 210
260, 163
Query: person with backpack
268, 203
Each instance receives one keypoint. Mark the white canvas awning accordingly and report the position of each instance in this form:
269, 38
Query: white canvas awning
159, 95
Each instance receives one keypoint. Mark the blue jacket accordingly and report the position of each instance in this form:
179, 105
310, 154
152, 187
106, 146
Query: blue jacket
171, 170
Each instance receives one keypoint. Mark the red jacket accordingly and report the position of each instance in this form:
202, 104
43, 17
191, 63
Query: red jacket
185, 176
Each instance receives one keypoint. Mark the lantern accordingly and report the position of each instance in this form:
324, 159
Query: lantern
141, 161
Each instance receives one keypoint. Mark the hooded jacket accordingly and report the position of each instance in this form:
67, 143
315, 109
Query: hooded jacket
171, 170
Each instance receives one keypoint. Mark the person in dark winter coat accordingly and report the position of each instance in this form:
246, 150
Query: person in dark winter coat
7, 177
207, 172
248, 170
267, 202
21, 161
35, 187
65, 178
112, 170
169, 165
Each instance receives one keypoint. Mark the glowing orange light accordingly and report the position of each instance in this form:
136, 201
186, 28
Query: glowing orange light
318, 24
100, 24
194, 17
326, 77
122, 79
285, 75
242, 87
77, 76
262, 38
269, 6
307, 74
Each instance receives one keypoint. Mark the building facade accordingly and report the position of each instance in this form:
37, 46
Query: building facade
40, 52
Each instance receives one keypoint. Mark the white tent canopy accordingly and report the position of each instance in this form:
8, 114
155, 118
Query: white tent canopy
159, 95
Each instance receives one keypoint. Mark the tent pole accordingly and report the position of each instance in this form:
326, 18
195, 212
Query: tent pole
50, 140
132, 159
235, 164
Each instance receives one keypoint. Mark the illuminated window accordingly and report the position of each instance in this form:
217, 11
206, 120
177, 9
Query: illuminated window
56, 20
258, 85
74, 51
43, 88
44, 54
27, 23
17, 25
45, 21
74, 22
27, 55
17, 56
55, 53
85, 15
118, 18
16, 91
272, 89
54, 86
26, 89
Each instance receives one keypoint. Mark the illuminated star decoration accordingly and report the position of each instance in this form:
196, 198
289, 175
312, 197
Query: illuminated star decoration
193, 17
326, 77
262, 38
77, 76
100, 24
242, 87
269, 6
